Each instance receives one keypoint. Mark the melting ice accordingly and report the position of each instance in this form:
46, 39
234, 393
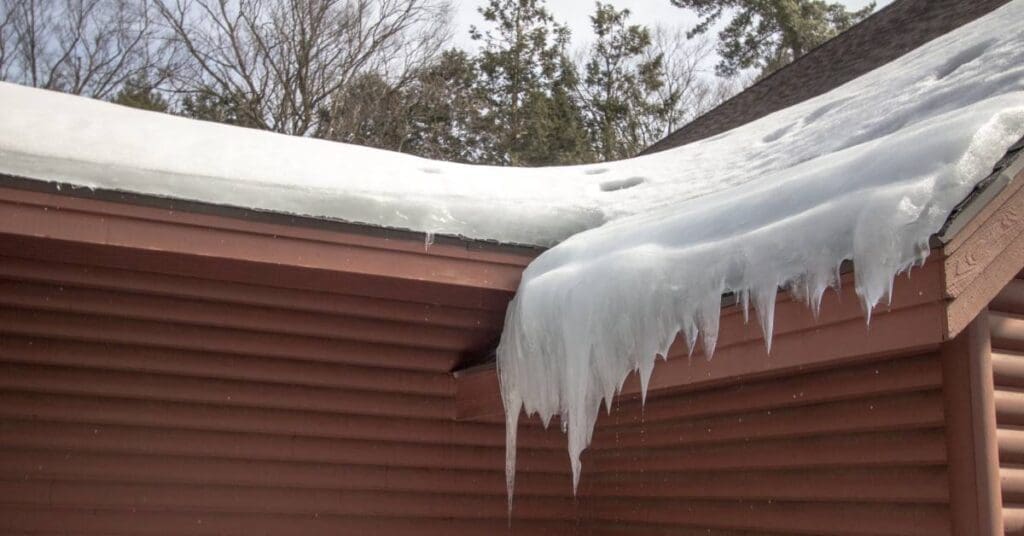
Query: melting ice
867, 172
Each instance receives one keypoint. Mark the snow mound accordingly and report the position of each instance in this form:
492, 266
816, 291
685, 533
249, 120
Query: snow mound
867, 172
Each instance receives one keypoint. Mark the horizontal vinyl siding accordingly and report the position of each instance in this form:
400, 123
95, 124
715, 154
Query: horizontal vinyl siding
137, 402
142, 403
1006, 316
858, 449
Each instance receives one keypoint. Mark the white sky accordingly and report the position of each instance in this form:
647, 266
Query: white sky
576, 14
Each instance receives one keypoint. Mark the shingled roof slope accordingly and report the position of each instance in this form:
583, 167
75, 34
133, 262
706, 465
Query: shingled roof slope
888, 34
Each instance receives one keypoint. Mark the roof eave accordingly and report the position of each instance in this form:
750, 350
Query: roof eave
261, 216
977, 252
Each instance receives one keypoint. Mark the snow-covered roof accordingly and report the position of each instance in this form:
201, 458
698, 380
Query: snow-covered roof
890, 32
646, 246
62, 138
867, 172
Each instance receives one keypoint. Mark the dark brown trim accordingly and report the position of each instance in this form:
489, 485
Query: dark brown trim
220, 248
254, 215
984, 192
984, 255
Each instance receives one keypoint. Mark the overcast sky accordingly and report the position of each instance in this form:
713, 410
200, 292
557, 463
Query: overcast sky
576, 14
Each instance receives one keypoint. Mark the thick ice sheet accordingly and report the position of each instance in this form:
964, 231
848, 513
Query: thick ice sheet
866, 172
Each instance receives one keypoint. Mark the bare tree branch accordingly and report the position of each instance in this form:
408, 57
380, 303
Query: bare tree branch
282, 63
690, 87
86, 47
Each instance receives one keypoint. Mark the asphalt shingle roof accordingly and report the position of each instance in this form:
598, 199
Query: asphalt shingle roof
888, 34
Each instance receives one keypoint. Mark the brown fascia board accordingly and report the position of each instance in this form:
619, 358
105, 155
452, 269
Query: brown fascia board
983, 248
263, 216
258, 251
988, 189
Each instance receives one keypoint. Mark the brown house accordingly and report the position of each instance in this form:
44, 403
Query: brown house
172, 367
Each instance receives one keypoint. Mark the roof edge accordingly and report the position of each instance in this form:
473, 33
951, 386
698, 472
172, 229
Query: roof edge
1009, 167
210, 246
262, 216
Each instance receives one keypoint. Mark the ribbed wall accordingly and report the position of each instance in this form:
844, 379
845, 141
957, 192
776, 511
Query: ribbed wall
853, 450
140, 394
1006, 315
144, 403
135, 402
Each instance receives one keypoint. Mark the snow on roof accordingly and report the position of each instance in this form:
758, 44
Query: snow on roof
866, 172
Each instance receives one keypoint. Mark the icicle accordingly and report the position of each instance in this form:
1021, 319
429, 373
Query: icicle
821, 281
708, 319
764, 302
646, 370
866, 305
512, 408
690, 333
666, 344
814, 302
428, 240
607, 402
745, 300
606, 302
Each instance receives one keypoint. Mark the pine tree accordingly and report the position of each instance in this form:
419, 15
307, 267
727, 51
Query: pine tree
768, 34
436, 114
369, 111
207, 104
138, 92
526, 82
445, 111
620, 84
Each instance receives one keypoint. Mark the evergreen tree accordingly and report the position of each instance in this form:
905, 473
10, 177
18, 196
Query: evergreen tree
138, 92
207, 104
436, 114
526, 82
768, 34
445, 111
369, 110
620, 84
